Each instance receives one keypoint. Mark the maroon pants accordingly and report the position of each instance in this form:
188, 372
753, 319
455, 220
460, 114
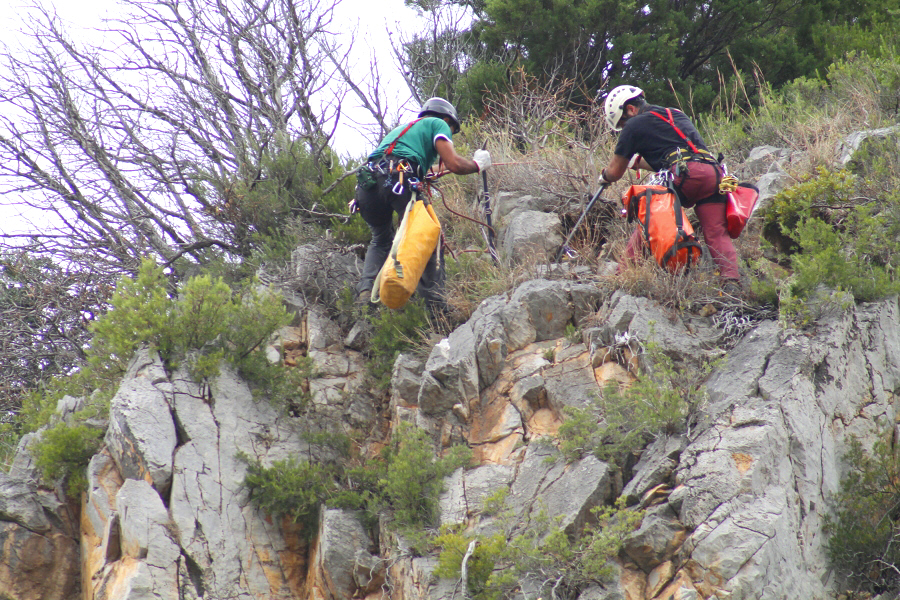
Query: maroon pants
701, 183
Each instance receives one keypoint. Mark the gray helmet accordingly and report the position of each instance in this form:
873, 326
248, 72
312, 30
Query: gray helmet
440, 108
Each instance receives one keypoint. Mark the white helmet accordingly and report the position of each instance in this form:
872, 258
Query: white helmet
615, 104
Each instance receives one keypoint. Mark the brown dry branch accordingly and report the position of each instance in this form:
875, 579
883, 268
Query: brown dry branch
125, 149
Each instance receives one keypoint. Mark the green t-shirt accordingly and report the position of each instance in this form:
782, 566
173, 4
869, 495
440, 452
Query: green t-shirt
417, 144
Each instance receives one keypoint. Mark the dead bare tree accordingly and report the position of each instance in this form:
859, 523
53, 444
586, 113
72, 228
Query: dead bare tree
144, 143
433, 59
44, 313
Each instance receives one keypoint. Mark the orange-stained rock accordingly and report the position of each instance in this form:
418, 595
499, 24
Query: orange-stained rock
99, 537
501, 452
543, 422
612, 372
634, 583
674, 590
742, 461
37, 566
659, 577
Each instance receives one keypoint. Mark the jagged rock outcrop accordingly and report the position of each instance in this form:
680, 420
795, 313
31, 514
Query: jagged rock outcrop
531, 235
734, 505
38, 540
859, 139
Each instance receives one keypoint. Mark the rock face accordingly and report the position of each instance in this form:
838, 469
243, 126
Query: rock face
734, 506
755, 483
38, 541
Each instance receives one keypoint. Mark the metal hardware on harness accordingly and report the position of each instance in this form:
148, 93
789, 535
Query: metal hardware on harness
729, 183
680, 163
388, 181
663, 177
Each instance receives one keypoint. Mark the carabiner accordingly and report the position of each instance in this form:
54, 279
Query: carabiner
398, 188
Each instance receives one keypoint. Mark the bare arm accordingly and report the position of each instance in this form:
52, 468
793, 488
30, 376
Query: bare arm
642, 164
453, 161
616, 168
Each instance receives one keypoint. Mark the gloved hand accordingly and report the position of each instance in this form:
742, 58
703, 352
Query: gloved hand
603, 180
482, 158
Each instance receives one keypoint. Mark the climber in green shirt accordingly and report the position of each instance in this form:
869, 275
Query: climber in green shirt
379, 194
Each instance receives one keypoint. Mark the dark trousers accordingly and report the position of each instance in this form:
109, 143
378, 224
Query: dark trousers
377, 207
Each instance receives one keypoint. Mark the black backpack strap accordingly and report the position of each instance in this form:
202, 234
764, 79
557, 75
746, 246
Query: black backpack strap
682, 240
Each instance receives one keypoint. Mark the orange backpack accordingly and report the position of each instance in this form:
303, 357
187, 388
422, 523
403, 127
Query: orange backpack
663, 224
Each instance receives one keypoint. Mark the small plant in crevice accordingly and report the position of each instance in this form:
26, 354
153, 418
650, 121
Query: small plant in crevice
404, 482
414, 477
537, 550
290, 488
864, 529
395, 331
622, 419
62, 453
284, 386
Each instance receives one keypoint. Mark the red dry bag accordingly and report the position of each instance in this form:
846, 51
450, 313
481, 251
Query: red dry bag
740, 206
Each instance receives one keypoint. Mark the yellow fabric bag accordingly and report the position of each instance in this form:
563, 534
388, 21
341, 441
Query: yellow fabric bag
414, 243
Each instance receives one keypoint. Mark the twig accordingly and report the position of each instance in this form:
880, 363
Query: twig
464, 569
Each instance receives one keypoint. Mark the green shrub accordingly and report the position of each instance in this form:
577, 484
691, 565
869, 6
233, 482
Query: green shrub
864, 533
539, 550
620, 421
395, 331
206, 323
290, 488
413, 476
288, 186
488, 552
63, 453
603, 541
283, 386
842, 244
360, 491
140, 314
406, 480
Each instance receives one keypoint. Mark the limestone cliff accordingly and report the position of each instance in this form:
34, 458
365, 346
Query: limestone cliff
734, 505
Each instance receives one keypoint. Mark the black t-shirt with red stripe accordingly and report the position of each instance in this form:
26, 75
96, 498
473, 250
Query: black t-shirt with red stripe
654, 138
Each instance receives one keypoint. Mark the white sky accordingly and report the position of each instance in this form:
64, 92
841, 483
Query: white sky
372, 19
